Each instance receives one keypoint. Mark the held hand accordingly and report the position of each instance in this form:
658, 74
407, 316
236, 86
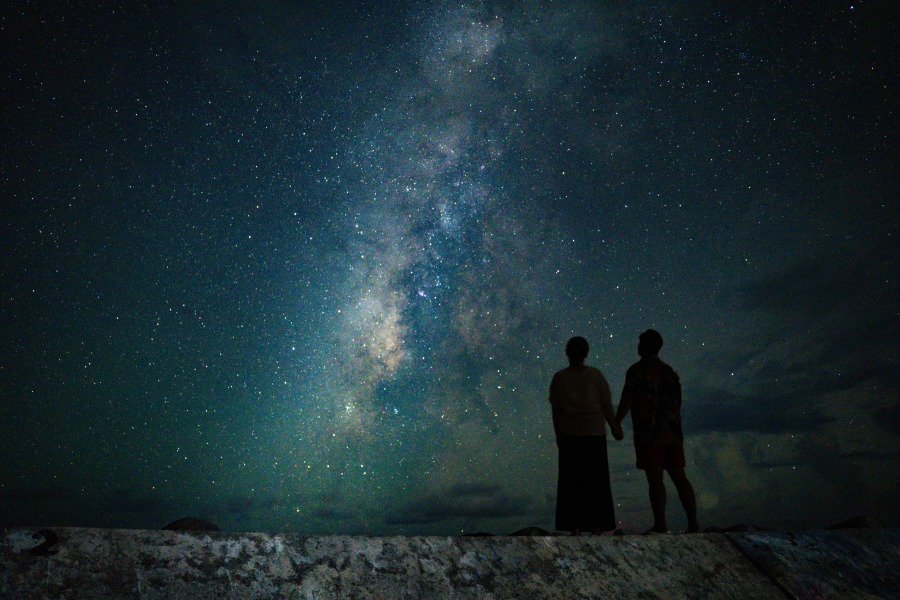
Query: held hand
617, 432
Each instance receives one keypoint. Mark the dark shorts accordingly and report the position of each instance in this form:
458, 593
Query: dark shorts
661, 456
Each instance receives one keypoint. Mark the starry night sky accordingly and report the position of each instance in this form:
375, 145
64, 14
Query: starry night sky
309, 267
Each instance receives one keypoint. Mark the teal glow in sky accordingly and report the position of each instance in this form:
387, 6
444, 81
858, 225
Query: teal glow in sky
309, 268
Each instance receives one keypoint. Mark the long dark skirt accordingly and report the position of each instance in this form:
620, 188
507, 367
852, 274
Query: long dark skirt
583, 495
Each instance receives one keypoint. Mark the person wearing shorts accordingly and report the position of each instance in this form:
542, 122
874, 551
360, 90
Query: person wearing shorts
652, 394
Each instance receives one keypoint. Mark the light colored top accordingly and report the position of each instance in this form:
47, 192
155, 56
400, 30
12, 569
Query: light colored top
581, 401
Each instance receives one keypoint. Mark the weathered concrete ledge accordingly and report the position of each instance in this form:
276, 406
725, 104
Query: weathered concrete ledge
107, 563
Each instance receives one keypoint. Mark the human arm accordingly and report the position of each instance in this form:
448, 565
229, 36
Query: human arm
626, 399
607, 407
624, 407
554, 403
617, 431
677, 392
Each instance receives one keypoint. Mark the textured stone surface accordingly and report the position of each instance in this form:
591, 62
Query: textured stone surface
102, 563
863, 563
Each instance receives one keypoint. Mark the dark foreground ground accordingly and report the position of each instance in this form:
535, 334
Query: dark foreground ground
116, 563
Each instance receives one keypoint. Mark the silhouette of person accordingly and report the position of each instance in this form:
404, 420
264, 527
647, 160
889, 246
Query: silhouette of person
581, 402
652, 393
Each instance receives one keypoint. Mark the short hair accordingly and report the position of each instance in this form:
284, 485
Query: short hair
577, 348
652, 340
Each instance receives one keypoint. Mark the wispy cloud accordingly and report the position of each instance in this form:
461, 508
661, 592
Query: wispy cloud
469, 501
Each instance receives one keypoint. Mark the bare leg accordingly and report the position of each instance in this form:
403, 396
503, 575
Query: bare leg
657, 498
686, 495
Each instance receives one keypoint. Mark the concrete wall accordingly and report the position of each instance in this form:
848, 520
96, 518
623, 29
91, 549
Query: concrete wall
103, 563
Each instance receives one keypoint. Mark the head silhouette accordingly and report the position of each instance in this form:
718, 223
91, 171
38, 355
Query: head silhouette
577, 350
650, 343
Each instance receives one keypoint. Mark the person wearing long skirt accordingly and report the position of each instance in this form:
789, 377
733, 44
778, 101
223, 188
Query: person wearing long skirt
581, 403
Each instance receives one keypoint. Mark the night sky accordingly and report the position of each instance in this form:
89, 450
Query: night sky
310, 267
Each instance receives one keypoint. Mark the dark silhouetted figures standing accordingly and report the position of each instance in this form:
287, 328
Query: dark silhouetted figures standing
581, 402
652, 393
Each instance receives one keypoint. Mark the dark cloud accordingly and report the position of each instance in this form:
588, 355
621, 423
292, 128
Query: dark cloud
37, 494
241, 504
469, 501
244, 504
888, 418
816, 287
327, 514
759, 412
822, 454
133, 502
841, 303
826, 325
806, 458
330, 506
